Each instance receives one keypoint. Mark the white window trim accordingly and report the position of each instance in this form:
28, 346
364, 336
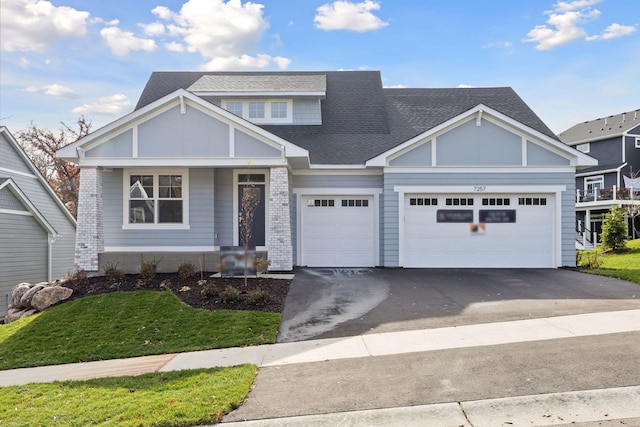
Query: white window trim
156, 172
637, 144
236, 199
593, 179
267, 110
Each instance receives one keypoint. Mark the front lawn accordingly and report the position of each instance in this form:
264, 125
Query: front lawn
623, 265
127, 324
182, 398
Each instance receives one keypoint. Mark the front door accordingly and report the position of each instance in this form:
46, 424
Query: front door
252, 185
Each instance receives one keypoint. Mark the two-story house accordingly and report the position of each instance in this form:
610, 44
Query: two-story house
615, 142
349, 174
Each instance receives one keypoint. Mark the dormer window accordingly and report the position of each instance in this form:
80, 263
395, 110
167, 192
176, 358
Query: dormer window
270, 111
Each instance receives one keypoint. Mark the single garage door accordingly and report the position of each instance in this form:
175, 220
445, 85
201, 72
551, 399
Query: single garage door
478, 231
337, 231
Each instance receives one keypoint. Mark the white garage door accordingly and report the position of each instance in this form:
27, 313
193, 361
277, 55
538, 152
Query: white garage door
337, 231
472, 231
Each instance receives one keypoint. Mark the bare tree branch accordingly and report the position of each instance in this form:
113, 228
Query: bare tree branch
41, 145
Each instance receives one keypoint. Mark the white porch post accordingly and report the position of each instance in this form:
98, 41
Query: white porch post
89, 230
279, 245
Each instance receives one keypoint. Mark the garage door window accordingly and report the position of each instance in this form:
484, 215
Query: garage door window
459, 202
321, 203
496, 202
355, 203
532, 201
418, 201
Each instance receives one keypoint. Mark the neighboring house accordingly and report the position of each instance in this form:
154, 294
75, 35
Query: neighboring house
615, 142
352, 175
37, 232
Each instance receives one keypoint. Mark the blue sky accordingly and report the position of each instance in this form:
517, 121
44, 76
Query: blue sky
570, 60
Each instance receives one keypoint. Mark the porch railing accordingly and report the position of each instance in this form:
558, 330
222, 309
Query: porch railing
613, 193
585, 237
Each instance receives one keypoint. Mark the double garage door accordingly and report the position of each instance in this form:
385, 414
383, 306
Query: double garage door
338, 231
436, 231
479, 231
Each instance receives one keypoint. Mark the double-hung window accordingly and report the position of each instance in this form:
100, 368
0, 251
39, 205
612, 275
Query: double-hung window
156, 199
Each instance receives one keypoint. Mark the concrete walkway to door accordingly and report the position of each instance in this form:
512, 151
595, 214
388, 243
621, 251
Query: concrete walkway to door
331, 303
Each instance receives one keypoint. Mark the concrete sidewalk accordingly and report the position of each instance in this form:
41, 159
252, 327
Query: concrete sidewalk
583, 408
362, 346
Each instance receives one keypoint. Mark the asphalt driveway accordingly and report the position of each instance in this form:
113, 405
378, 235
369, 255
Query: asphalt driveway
330, 303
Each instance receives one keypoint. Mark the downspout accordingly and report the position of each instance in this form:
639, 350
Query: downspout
50, 241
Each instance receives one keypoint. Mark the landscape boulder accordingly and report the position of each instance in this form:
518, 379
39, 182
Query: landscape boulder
27, 299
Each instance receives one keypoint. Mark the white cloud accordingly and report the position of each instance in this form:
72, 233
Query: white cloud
396, 87
24, 63
245, 62
58, 90
34, 25
108, 105
614, 31
566, 6
225, 32
566, 24
122, 42
344, 15
174, 47
153, 29
465, 86
53, 90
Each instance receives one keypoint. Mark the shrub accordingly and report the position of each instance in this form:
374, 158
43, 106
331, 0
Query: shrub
186, 270
148, 269
259, 297
79, 277
230, 294
614, 230
113, 273
262, 265
588, 259
210, 291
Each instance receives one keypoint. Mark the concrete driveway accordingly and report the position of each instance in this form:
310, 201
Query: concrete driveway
330, 303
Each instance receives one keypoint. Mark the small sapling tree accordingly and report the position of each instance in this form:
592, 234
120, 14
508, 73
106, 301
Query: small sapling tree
614, 230
248, 204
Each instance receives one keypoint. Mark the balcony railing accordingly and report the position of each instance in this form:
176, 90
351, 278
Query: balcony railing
608, 194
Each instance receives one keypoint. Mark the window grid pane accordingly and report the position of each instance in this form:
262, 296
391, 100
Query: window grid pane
256, 110
278, 110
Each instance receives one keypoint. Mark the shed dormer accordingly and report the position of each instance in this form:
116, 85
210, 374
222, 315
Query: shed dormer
289, 99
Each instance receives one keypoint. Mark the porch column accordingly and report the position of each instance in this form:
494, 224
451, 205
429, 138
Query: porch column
280, 251
89, 229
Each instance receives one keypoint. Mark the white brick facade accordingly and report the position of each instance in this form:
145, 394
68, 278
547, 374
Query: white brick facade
89, 230
279, 245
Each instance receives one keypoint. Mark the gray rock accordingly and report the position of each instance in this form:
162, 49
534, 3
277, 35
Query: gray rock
14, 314
25, 300
49, 296
17, 292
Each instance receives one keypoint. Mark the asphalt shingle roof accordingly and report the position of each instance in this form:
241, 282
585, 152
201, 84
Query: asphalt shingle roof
604, 127
260, 83
360, 118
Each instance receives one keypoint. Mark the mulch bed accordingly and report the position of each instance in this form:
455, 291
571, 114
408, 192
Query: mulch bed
271, 299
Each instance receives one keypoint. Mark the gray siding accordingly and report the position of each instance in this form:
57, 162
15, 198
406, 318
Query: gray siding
306, 111
538, 156
172, 134
607, 151
9, 201
23, 254
391, 209
10, 159
64, 246
632, 153
486, 145
118, 146
419, 156
201, 219
337, 181
223, 206
247, 146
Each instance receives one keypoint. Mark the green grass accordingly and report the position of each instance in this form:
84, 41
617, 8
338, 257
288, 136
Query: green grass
183, 398
127, 324
623, 265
